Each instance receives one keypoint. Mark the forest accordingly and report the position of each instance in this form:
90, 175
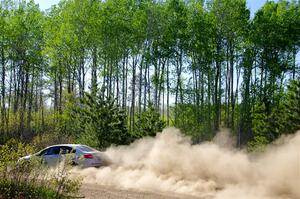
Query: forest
109, 72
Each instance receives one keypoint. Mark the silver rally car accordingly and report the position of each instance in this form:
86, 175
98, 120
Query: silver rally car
81, 155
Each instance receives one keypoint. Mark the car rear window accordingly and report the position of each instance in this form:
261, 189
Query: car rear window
86, 148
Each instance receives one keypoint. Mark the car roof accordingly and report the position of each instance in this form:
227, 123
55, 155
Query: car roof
69, 145
73, 146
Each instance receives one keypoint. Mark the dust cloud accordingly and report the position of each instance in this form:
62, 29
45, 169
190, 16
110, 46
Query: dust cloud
214, 170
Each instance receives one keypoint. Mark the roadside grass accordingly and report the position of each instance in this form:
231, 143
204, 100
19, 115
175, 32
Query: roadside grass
34, 179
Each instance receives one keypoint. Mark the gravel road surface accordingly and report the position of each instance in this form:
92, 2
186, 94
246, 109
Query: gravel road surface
92, 191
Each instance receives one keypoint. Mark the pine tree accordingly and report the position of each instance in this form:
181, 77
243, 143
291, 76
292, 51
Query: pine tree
148, 123
259, 128
292, 105
102, 121
277, 121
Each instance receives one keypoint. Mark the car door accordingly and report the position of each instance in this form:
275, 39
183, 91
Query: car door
67, 152
51, 155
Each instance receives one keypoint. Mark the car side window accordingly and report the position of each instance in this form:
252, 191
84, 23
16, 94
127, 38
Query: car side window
66, 150
53, 151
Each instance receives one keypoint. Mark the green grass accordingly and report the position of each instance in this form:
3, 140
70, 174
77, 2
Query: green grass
13, 189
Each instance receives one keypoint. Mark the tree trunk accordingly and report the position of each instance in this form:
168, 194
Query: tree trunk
140, 86
161, 81
60, 80
231, 86
3, 111
55, 91
168, 94
123, 83
94, 72
30, 99
132, 110
216, 89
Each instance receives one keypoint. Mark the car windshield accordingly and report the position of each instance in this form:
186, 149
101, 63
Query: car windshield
86, 148
42, 152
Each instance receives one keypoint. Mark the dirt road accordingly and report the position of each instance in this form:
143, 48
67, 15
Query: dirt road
91, 191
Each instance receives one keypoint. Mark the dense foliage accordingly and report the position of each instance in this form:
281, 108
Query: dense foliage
148, 123
202, 64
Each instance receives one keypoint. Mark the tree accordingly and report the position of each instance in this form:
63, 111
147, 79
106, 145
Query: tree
207, 61
259, 127
292, 106
148, 123
103, 120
